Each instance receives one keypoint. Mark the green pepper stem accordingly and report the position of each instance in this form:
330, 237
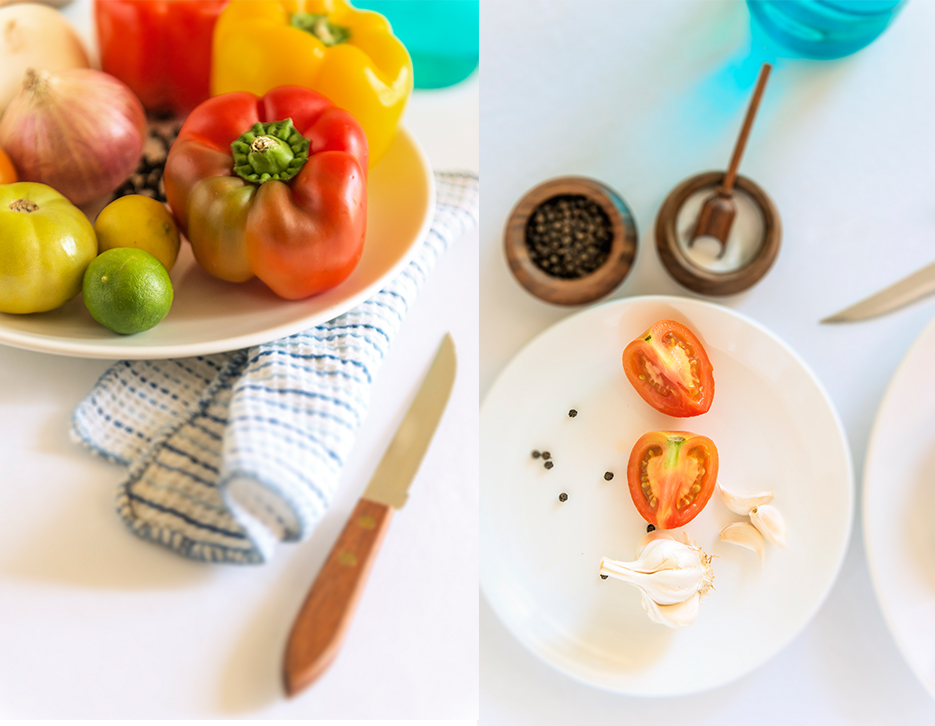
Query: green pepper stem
268, 151
321, 27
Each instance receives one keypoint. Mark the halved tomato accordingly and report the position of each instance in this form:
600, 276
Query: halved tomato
669, 368
672, 475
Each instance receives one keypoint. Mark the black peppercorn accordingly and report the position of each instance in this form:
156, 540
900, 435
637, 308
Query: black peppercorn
568, 236
604, 577
546, 455
650, 527
562, 497
608, 475
548, 464
572, 413
535, 454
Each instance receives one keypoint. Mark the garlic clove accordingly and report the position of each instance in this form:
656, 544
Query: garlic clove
769, 522
745, 535
678, 615
743, 503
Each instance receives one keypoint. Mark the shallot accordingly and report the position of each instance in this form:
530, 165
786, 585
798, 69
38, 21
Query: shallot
80, 131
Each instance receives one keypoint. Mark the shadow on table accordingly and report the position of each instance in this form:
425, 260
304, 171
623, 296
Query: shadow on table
82, 542
253, 677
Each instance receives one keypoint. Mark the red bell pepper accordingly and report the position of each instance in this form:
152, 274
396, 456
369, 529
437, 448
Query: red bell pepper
160, 48
273, 187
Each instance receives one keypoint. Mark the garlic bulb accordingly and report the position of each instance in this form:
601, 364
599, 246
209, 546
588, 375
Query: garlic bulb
672, 575
765, 520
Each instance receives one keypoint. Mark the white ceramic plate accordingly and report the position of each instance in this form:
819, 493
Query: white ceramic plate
898, 506
210, 316
774, 427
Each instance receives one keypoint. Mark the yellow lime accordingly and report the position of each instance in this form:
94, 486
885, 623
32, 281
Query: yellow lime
142, 223
127, 290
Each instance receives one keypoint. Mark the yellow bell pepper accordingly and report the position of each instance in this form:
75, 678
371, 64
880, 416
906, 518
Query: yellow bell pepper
349, 55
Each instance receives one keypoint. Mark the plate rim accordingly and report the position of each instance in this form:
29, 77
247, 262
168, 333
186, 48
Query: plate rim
873, 564
841, 434
115, 351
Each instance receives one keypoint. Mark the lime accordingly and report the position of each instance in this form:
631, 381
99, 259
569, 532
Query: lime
142, 223
127, 290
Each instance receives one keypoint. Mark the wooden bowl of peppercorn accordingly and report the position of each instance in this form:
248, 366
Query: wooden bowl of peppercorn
570, 240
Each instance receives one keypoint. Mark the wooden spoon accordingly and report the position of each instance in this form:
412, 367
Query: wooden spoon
718, 211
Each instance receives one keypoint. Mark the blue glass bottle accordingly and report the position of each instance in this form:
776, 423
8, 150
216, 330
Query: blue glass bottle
440, 35
823, 28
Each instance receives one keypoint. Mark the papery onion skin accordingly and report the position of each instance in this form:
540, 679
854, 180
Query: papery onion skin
80, 131
34, 35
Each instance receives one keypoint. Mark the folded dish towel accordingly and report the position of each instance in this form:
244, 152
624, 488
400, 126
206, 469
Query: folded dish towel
230, 453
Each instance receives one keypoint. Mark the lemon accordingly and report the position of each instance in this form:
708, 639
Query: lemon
127, 290
142, 223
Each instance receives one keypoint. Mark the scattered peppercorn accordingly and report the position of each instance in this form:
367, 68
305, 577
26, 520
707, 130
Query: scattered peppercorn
568, 236
608, 475
562, 497
650, 527
548, 464
604, 577
546, 455
535, 454
572, 413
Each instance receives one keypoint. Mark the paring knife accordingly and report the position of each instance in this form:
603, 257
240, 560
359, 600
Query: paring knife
323, 620
908, 290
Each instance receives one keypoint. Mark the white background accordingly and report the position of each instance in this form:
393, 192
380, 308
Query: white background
95, 623
641, 95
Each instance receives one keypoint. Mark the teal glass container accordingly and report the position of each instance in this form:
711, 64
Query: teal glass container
440, 35
823, 29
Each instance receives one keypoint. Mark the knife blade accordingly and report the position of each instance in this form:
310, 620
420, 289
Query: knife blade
899, 294
323, 620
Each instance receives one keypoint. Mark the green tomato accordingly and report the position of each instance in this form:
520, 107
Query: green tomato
46, 243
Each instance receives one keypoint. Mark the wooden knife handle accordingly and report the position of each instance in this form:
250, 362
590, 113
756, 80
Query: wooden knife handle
322, 623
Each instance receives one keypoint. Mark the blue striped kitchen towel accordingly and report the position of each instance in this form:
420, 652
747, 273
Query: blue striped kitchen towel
229, 454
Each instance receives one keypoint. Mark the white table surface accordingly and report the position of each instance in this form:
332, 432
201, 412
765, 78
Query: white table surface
96, 623
641, 95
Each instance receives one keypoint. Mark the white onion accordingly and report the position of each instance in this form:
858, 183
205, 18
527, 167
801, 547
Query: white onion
79, 130
34, 36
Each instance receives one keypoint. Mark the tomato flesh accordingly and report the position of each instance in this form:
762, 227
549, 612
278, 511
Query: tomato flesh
672, 475
669, 367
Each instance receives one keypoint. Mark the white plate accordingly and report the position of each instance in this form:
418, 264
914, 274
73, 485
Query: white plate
774, 427
899, 508
210, 316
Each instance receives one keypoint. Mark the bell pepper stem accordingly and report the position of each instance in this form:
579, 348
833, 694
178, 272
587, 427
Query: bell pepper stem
321, 27
268, 151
